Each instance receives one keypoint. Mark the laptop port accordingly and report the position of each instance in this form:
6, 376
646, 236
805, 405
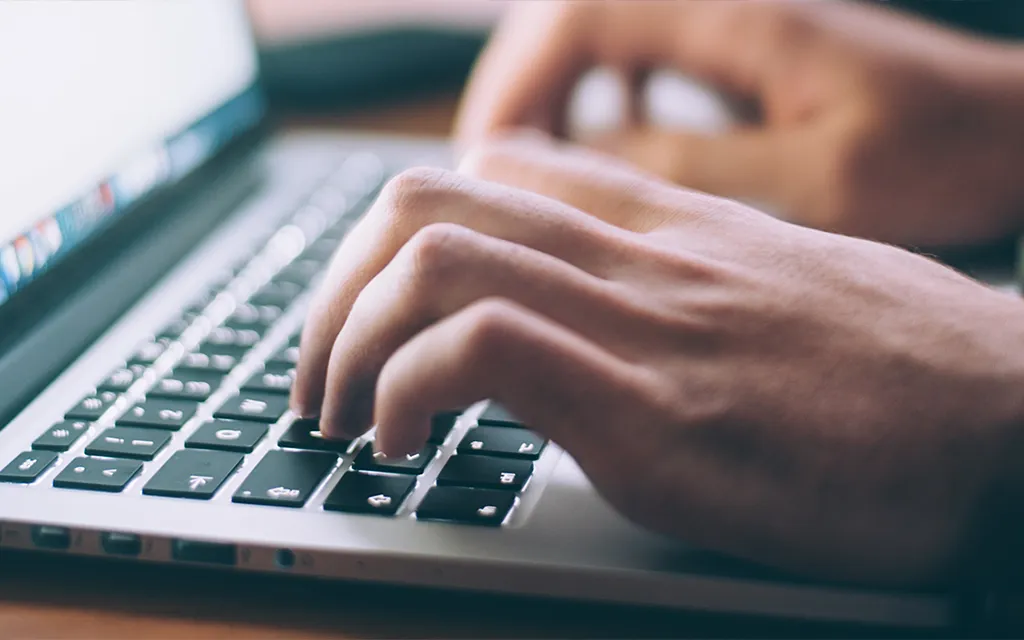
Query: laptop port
203, 552
121, 544
54, 538
284, 558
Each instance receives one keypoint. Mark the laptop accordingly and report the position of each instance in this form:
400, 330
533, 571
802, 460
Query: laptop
158, 247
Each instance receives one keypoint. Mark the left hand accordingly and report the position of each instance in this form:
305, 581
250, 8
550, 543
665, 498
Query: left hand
806, 400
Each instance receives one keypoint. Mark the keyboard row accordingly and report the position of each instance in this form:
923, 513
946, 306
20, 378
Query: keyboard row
478, 485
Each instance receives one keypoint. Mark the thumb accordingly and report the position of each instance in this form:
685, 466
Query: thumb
757, 165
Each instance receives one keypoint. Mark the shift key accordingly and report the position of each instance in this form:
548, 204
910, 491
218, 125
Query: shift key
285, 478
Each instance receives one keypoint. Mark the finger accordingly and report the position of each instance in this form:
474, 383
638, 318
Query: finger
526, 74
442, 270
769, 166
540, 52
598, 183
417, 199
565, 387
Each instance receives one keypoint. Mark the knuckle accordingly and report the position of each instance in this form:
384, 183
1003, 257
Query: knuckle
490, 329
435, 253
413, 191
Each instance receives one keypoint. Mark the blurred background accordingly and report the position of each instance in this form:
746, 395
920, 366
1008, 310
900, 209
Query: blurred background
332, 56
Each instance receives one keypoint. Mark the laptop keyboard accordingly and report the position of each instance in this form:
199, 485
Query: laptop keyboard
171, 383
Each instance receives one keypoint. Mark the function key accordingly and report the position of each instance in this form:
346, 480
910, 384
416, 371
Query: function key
159, 413
27, 467
276, 378
466, 506
226, 336
122, 379
128, 442
258, 407
61, 436
285, 478
441, 425
503, 441
187, 384
93, 474
496, 415
412, 464
228, 435
92, 407
365, 493
193, 474
485, 472
305, 434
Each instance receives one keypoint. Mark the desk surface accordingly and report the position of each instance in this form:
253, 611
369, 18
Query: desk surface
61, 597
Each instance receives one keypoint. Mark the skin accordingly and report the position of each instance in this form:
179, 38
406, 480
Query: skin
866, 122
810, 401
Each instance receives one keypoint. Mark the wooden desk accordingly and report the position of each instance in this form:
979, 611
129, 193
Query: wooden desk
46, 596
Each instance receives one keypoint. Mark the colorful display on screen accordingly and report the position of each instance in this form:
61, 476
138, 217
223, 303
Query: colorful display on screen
38, 248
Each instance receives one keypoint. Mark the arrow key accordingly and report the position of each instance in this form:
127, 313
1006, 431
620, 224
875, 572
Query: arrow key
94, 474
193, 474
365, 493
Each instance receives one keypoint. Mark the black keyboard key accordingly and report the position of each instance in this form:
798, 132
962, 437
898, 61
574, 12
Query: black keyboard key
148, 352
412, 464
61, 436
213, 357
503, 441
93, 474
285, 478
92, 407
467, 506
277, 294
128, 442
365, 493
159, 413
305, 434
187, 384
228, 435
258, 407
485, 472
193, 474
287, 357
122, 379
276, 378
441, 425
496, 415
27, 467
256, 317
226, 336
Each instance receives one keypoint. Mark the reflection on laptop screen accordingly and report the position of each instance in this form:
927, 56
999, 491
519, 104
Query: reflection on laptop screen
100, 102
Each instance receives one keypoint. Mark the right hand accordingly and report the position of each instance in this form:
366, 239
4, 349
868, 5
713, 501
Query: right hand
872, 124
810, 401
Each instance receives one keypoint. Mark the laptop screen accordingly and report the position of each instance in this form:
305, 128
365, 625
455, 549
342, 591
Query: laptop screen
102, 102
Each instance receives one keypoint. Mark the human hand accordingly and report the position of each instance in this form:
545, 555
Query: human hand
870, 123
807, 400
